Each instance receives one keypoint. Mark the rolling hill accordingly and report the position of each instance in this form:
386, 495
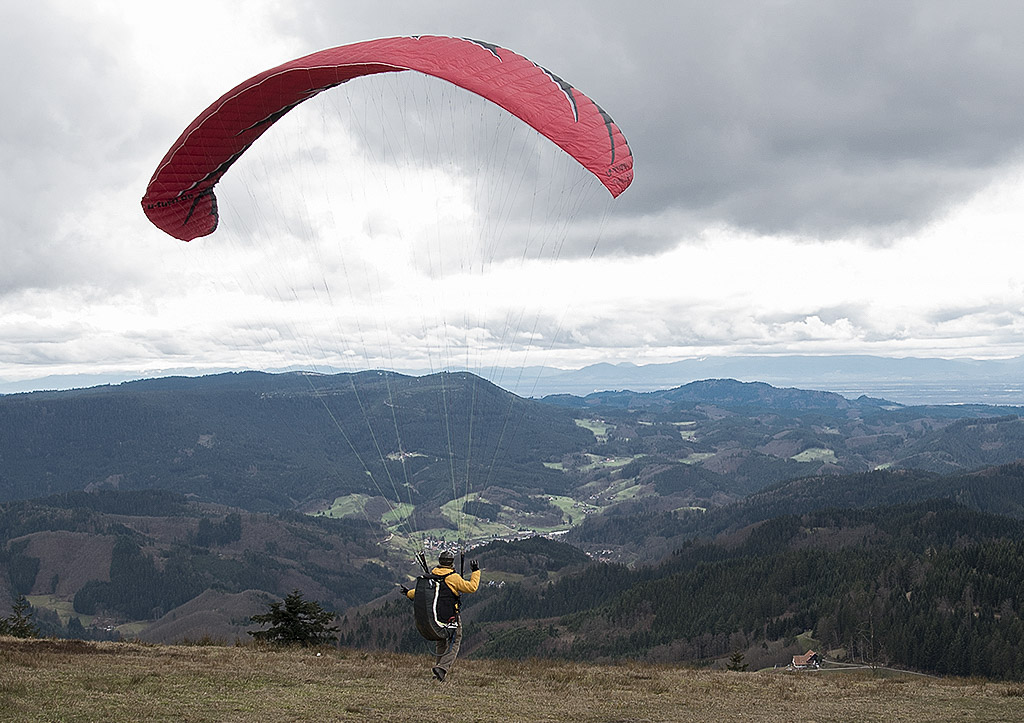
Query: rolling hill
271, 442
169, 508
300, 441
906, 570
154, 565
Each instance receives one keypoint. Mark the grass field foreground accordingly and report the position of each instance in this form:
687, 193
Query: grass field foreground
49, 680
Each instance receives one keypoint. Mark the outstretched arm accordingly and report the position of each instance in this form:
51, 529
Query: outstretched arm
459, 584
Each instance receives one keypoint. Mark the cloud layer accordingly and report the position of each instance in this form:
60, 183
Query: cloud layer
811, 177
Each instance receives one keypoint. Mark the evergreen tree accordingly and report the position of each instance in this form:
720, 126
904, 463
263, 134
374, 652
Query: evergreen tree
736, 662
296, 621
19, 623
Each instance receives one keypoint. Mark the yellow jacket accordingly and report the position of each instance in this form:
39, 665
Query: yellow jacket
455, 581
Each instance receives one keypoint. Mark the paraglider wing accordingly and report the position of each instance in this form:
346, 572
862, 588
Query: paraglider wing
180, 198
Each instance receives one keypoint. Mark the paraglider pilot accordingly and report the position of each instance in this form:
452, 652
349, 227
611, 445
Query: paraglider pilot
448, 602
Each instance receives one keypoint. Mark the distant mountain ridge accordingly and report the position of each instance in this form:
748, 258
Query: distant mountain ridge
724, 392
840, 373
908, 380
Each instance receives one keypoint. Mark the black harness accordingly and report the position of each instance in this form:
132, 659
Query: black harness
436, 607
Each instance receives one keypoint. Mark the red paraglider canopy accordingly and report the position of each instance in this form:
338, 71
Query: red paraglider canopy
180, 199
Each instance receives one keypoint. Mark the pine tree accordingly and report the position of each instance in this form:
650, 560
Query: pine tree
296, 621
19, 624
736, 662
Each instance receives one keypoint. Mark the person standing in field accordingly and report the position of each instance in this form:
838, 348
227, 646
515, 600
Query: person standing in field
448, 608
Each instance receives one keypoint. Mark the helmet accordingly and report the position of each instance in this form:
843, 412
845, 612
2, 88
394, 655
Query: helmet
446, 558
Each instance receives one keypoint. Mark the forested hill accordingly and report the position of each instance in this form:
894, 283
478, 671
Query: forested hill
266, 442
926, 581
714, 441
156, 565
271, 442
649, 533
746, 515
931, 586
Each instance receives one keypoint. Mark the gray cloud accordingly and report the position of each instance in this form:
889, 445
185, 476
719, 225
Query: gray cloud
824, 119
68, 141
817, 120
821, 119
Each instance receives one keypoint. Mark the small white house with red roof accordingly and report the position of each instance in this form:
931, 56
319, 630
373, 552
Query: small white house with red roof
809, 660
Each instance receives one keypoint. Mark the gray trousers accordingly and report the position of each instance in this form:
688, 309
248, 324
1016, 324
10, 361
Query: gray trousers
446, 654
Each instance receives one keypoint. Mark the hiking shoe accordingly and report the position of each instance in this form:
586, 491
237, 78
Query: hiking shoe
439, 672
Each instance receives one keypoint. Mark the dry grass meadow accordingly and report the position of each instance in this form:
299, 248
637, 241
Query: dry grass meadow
48, 680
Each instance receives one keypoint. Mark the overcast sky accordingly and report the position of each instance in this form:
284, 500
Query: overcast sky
811, 178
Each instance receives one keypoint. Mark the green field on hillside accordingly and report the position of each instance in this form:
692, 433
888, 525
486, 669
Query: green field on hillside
815, 454
597, 426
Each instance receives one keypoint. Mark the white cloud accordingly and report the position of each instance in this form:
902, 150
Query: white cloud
791, 197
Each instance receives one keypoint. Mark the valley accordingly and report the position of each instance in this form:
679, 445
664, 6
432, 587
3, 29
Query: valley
174, 509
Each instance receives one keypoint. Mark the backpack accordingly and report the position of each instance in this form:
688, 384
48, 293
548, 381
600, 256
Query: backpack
436, 607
